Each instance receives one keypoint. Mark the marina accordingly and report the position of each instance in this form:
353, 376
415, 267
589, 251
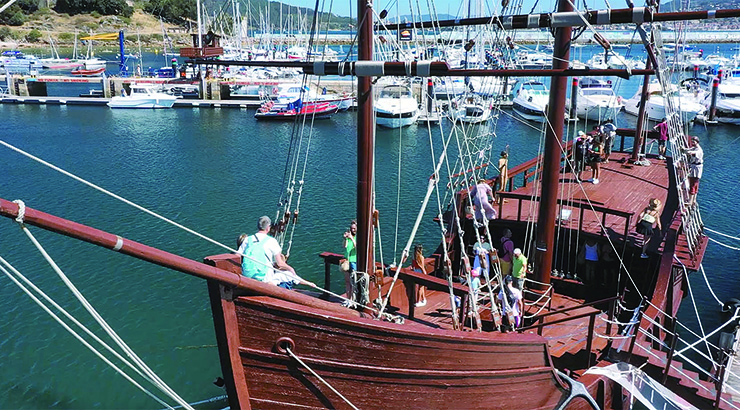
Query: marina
527, 258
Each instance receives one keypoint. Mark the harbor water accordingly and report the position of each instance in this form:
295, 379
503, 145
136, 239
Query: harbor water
216, 171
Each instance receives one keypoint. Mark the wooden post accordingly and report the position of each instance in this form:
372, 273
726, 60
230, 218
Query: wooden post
327, 275
590, 338
671, 352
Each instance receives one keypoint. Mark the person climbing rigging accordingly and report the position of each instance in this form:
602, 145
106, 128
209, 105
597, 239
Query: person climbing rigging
695, 157
481, 193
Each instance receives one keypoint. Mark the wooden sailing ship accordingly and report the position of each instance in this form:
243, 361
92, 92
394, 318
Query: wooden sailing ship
286, 349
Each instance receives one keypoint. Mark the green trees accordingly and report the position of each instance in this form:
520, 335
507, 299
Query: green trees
17, 14
104, 7
173, 11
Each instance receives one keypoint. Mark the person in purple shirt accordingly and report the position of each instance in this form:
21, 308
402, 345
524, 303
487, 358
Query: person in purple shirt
662, 128
506, 252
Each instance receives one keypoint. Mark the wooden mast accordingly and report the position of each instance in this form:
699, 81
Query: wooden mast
365, 142
547, 217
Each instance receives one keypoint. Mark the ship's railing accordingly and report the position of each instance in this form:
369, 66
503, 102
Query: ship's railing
563, 203
540, 321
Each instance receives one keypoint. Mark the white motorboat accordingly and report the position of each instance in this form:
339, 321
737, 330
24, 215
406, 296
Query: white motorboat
292, 92
531, 100
15, 62
471, 109
143, 96
596, 100
727, 107
449, 88
687, 103
396, 107
493, 86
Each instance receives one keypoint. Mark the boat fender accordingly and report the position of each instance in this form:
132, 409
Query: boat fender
731, 305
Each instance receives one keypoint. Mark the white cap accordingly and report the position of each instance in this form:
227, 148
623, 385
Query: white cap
517, 251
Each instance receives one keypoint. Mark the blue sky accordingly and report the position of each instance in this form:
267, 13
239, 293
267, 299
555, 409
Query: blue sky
342, 7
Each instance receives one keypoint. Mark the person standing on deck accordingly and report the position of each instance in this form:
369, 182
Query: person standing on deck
580, 153
261, 254
506, 255
662, 128
511, 302
482, 250
481, 193
594, 158
519, 268
418, 265
503, 172
355, 290
695, 156
608, 132
649, 217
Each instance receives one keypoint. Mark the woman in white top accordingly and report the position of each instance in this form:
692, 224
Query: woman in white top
649, 217
511, 302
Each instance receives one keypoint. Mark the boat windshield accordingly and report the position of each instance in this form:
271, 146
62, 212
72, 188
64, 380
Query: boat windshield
730, 95
536, 89
395, 92
598, 91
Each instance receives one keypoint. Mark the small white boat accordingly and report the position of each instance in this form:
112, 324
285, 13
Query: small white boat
596, 100
471, 109
687, 103
396, 107
143, 96
531, 100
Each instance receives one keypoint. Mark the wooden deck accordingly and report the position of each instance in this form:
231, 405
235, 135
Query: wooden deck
610, 207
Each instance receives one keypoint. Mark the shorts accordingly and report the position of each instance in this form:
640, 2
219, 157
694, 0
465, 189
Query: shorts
661, 143
693, 185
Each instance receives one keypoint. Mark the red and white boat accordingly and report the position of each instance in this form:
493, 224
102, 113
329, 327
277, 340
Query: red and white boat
88, 73
286, 111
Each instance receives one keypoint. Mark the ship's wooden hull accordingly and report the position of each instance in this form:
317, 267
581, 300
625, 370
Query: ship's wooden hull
375, 365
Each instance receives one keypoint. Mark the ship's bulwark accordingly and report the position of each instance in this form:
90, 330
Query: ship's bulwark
378, 365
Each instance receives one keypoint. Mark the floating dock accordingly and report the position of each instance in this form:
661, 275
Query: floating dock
183, 103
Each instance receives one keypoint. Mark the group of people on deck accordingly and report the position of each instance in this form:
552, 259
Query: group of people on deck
593, 149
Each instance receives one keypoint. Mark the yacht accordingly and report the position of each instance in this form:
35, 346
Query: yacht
687, 103
471, 109
727, 107
449, 88
143, 96
396, 107
531, 100
596, 100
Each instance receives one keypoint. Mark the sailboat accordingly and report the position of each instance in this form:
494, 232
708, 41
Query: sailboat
285, 349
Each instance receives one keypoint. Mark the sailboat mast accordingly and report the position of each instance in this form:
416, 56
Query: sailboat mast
365, 142
547, 217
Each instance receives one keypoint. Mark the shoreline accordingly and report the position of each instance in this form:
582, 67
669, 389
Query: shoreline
615, 37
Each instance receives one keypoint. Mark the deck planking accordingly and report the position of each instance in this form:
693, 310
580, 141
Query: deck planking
623, 188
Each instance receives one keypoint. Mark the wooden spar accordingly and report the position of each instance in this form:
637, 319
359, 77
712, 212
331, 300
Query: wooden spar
159, 257
545, 239
436, 69
572, 19
365, 142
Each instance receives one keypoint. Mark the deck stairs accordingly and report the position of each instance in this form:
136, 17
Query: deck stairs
687, 383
